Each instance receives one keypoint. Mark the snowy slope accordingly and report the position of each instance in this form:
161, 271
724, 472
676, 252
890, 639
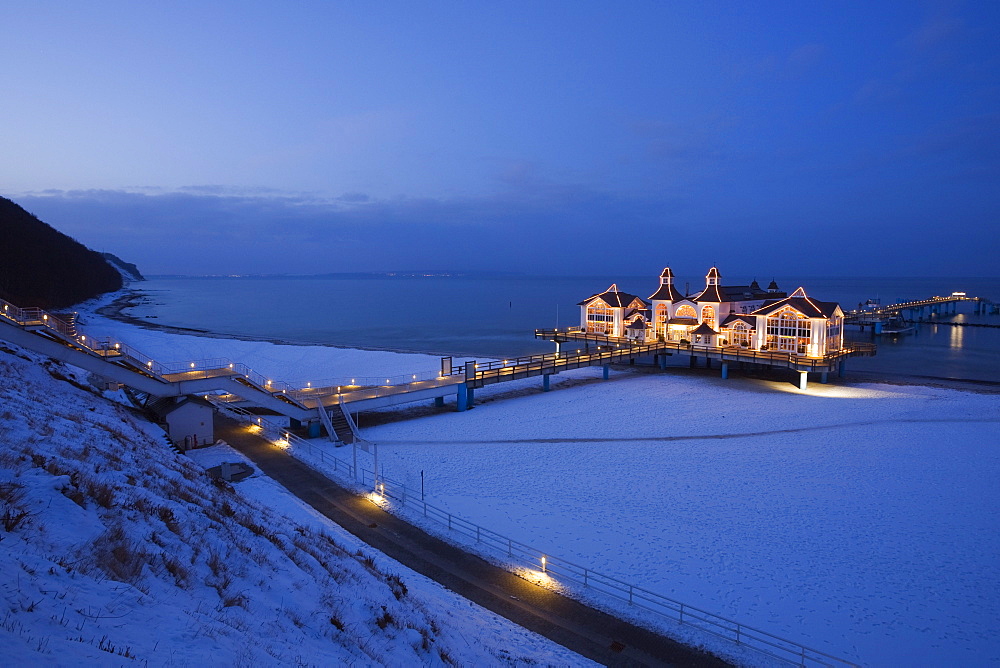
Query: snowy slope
116, 549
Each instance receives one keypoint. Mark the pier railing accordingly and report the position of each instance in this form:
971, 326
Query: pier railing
619, 346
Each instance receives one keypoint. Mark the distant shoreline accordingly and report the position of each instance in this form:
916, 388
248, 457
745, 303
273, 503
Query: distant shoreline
131, 296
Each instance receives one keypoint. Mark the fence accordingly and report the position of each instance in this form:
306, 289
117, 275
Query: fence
521, 554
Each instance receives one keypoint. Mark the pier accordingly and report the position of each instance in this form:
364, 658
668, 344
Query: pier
724, 356
330, 405
918, 311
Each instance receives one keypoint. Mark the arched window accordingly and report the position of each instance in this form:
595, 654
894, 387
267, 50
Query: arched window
708, 316
740, 334
662, 315
600, 317
686, 311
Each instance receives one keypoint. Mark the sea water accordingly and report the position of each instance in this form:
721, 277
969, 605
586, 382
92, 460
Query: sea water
494, 317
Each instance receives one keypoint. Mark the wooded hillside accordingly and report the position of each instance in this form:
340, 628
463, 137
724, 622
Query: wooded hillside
40, 266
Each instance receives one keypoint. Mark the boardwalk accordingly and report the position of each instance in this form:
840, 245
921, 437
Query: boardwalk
237, 384
593, 634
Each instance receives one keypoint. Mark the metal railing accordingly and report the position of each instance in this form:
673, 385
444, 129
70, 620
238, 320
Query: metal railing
284, 439
545, 564
120, 352
541, 565
733, 353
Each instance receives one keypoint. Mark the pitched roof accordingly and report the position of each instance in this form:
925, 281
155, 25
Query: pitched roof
807, 306
733, 317
612, 297
638, 323
703, 329
167, 405
682, 321
667, 293
709, 294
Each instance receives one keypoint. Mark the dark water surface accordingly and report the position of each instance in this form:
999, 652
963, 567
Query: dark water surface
495, 317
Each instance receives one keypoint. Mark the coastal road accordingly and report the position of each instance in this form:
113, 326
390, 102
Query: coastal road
591, 633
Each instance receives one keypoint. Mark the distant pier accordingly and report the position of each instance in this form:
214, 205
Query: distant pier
919, 311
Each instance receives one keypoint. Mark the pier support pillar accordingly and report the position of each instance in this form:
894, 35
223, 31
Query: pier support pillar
439, 401
708, 362
607, 370
725, 370
694, 361
545, 382
314, 431
663, 362
464, 397
841, 368
824, 377
803, 380
878, 327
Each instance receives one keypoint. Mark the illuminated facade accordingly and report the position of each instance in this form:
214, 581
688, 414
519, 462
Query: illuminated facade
744, 316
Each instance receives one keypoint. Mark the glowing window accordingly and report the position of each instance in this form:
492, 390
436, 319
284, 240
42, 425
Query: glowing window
685, 311
708, 316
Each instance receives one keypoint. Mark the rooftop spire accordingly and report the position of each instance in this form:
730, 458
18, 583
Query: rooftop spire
712, 278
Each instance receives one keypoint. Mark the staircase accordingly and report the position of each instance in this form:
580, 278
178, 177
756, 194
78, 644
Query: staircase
341, 426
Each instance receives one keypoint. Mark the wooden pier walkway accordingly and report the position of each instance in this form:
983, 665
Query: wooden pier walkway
231, 382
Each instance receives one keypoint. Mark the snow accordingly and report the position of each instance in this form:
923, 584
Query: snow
858, 519
117, 549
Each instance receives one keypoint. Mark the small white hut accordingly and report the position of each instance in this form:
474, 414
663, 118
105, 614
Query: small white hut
187, 420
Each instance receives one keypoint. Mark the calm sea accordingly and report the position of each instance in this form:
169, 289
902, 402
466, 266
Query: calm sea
496, 316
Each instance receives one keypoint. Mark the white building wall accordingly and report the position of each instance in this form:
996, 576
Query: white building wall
191, 420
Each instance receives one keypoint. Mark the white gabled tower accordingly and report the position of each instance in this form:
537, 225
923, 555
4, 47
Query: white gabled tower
663, 302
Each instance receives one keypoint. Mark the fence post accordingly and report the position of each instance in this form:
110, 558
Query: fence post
477, 533
630, 594
681, 617
585, 578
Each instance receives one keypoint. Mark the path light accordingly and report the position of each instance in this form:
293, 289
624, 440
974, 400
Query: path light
543, 563
149, 364
309, 384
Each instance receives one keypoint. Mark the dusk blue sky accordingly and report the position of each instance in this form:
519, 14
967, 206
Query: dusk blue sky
783, 138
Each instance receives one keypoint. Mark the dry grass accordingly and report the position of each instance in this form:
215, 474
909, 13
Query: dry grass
13, 512
118, 557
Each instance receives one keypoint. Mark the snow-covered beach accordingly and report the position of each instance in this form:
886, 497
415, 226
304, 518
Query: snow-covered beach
856, 518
